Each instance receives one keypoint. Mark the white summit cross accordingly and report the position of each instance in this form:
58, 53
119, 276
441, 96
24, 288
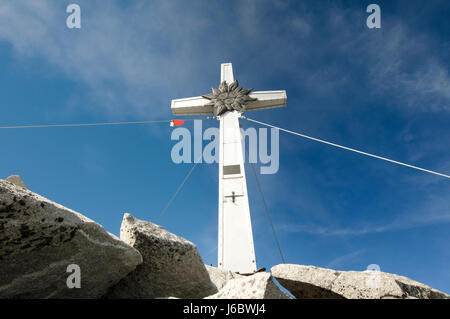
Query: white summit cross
236, 250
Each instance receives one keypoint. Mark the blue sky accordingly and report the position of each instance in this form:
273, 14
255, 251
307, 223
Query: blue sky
384, 91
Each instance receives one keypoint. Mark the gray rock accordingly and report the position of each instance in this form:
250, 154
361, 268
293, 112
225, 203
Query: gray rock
16, 180
220, 277
257, 286
171, 266
314, 282
39, 239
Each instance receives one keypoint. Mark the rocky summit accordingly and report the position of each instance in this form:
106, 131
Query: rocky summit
50, 251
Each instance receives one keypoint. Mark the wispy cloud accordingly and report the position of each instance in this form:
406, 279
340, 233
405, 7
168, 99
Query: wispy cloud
436, 212
126, 56
406, 68
136, 57
344, 259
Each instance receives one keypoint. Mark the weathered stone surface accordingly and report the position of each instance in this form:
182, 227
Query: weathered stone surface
257, 286
171, 266
16, 180
314, 282
220, 277
39, 239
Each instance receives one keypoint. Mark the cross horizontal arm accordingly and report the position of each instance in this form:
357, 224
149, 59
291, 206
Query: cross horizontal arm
267, 100
191, 106
198, 105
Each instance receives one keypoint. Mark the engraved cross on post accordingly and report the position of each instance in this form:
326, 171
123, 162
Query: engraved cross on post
233, 196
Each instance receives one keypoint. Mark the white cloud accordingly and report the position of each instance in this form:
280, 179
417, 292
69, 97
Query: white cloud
118, 53
145, 53
434, 211
404, 67
344, 259
301, 26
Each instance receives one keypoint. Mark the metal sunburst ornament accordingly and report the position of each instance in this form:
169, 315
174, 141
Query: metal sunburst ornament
228, 98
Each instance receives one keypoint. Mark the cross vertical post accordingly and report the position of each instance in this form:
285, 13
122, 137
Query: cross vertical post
236, 250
